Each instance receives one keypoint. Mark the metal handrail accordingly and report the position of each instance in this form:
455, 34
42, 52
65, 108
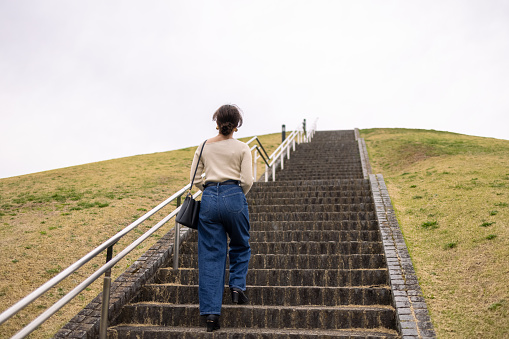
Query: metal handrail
287, 140
263, 154
297, 135
68, 271
278, 153
97, 274
258, 147
264, 157
106, 268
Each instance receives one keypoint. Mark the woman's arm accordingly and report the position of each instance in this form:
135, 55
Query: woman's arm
246, 170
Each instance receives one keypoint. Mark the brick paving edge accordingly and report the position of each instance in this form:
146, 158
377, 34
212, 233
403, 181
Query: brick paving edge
366, 166
412, 313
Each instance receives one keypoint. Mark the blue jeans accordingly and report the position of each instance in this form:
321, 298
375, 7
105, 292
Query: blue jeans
223, 211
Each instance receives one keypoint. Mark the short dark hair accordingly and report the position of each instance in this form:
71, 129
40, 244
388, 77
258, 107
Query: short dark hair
227, 118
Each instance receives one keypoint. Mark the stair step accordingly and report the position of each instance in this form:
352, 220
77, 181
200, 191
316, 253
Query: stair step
287, 277
282, 193
319, 216
348, 148
292, 178
312, 226
309, 160
333, 169
307, 192
165, 332
302, 248
308, 231
339, 184
310, 208
273, 295
305, 168
314, 232
284, 261
364, 225
249, 316
343, 159
312, 201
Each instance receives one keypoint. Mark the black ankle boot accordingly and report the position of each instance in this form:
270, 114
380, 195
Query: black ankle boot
238, 296
212, 322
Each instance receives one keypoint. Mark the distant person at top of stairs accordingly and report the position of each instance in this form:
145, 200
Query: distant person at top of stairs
227, 165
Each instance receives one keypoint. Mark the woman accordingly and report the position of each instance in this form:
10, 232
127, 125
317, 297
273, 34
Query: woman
227, 165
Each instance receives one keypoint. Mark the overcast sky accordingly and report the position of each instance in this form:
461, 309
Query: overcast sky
84, 81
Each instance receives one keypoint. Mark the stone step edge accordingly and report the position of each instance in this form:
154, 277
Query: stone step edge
306, 223
311, 208
310, 188
313, 222
194, 242
377, 287
291, 202
374, 308
311, 204
318, 333
353, 255
288, 269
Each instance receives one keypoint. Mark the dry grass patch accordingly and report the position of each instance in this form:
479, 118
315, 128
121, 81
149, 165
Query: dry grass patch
49, 220
451, 196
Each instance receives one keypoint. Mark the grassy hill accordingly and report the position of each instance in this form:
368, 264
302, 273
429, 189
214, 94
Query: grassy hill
451, 196
48, 220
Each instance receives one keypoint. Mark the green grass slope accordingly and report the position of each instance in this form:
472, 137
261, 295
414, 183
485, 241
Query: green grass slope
451, 196
49, 220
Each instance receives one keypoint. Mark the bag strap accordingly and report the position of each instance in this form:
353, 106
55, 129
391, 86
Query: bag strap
197, 163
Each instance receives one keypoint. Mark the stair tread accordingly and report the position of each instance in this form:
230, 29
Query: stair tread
354, 255
311, 221
290, 277
176, 294
381, 287
289, 269
293, 307
294, 202
261, 331
304, 243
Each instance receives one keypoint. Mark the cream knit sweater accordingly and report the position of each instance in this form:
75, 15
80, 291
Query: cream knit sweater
224, 160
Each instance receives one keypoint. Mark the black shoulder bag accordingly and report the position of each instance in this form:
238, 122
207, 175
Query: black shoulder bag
190, 209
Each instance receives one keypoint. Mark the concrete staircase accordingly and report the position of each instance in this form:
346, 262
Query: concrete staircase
317, 268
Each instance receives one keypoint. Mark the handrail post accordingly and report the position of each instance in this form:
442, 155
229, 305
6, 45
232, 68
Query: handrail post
176, 245
103, 326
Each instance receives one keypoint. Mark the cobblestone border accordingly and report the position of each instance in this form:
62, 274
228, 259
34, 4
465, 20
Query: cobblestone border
357, 133
85, 324
412, 313
366, 166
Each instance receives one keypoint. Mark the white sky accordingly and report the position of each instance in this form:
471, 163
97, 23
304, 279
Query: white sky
84, 81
